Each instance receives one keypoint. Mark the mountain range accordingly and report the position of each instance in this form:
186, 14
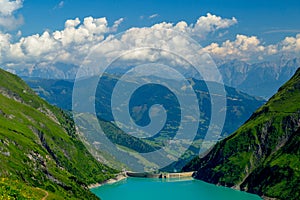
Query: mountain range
239, 108
258, 79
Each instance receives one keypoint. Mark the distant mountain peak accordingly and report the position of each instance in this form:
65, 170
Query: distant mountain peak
259, 79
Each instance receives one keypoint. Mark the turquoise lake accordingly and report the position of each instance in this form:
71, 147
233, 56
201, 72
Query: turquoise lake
174, 189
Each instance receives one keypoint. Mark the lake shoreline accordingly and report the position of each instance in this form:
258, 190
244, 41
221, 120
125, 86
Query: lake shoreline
237, 188
119, 177
123, 175
135, 188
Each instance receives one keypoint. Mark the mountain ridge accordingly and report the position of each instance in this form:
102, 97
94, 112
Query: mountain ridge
40, 151
239, 107
262, 156
257, 79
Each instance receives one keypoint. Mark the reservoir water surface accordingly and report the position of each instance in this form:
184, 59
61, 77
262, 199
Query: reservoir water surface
165, 189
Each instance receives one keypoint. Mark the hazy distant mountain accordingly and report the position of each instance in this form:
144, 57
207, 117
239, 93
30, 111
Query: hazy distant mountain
53, 71
59, 92
239, 107
260, 79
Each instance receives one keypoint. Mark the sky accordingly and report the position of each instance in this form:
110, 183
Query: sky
267, 19
31, 31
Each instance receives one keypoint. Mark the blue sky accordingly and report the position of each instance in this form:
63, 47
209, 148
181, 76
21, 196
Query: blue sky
36, 33
270, 20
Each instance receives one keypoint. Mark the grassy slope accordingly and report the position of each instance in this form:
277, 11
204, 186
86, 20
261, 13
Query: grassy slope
262, 156
39, 148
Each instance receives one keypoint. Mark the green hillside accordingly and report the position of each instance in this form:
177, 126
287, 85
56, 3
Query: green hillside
40, 153
262, 156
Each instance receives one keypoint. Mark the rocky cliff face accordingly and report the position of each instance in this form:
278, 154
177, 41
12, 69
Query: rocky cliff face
262, 156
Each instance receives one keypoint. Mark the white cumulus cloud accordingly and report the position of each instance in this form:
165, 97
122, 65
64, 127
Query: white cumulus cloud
76, 39
291, 44
72, 44
211, 23
68, 45
243, 47
7, 18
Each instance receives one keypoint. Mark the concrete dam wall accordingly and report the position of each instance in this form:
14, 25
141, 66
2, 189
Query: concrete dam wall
160, 175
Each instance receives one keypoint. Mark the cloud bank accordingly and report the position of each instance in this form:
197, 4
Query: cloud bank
72, 44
